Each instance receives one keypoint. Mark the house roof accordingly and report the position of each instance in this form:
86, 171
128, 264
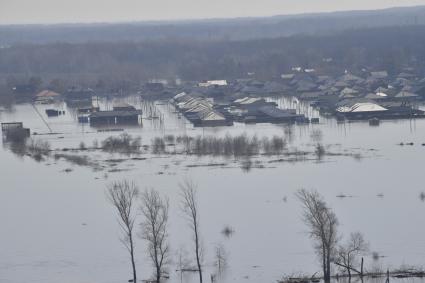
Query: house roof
379, 74
247, 100
405, 94
275, 112
361, 107
47, 93
375, 96
122, 105
351, 78
210, 115
105, 114
287, 76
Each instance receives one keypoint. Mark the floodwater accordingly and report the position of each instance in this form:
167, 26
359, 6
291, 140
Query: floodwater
57, 226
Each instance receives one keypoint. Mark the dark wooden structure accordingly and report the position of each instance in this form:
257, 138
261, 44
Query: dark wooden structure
102, 118
16, 128
54, 112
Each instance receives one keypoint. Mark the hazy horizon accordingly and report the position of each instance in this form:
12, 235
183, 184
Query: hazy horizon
95, 11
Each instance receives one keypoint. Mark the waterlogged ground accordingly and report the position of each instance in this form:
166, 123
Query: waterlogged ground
57, 226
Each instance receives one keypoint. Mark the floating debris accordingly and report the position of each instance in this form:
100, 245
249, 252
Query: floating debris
228, 231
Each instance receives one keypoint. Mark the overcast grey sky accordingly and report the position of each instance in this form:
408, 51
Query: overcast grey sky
59, 11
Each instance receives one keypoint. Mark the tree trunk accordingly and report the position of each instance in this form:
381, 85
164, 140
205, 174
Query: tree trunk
324, 262
158, 274
198, 260
133, 264
361, 268
328, 268
349, 268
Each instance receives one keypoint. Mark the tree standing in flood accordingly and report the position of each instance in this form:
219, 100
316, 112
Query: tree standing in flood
349, 252
155, 229
322, 223
190, 209
123, 196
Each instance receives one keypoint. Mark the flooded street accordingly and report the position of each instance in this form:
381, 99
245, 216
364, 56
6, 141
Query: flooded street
58, 226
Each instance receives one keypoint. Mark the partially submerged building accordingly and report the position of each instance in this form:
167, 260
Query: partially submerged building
12, 130
213, 83
121, 114
364, 110
200, 111
46, 97
114, 117
258, 110
77, 96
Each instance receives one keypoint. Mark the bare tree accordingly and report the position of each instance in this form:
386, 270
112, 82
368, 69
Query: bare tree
220, 258
183, 261
322, 223
155, 229
190, 209
348, 253
123, 195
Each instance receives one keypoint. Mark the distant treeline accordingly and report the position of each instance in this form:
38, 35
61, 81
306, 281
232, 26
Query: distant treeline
121, 64
212, 30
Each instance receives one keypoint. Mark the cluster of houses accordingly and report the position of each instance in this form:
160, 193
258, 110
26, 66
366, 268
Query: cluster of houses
362, 95
205, 112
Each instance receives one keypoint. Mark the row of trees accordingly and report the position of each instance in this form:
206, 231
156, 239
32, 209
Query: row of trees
321, 221
154, 209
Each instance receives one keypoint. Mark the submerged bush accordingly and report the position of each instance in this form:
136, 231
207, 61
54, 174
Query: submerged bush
75, 159
37, 146
316, 135
320, 151
124, 143
158, 146
237, 146
278, 144
170, 138
82, 146
38, 149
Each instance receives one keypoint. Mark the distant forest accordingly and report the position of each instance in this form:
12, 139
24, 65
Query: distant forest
120, 64
216, 29
388, 49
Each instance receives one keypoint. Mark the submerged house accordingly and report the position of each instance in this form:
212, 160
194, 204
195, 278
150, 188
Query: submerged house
79, 96
200, 111
46, 97
208, 118
115, 117
122, 106
121, 114
406, 96
213, 83
360, 110
379, 75
11, 130
257, 110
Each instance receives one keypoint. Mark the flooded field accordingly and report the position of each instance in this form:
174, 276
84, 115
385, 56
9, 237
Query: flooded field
57, 225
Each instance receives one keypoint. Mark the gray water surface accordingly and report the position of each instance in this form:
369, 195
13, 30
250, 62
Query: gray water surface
59, 227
